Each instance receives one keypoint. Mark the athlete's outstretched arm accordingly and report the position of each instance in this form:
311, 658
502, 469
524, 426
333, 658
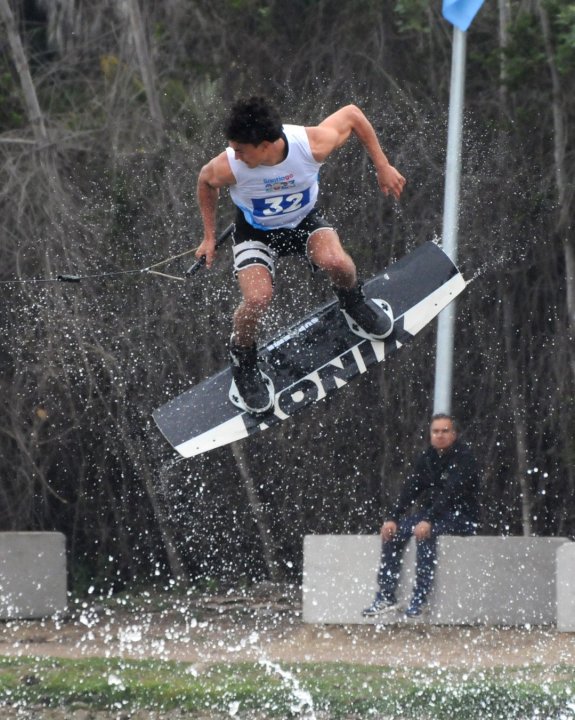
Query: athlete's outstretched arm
336, 130
213, 176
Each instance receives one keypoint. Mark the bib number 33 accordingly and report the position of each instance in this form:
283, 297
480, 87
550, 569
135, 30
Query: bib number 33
280, 204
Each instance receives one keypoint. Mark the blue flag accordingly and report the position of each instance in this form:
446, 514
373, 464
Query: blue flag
461, 12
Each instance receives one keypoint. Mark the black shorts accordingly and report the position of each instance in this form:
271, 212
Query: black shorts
263, 247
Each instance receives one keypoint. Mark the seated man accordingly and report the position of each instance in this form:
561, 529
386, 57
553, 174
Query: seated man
440, 497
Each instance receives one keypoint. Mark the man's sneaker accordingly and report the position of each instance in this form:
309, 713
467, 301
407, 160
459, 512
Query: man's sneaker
379, 606
366, 317
415, 608
251, 389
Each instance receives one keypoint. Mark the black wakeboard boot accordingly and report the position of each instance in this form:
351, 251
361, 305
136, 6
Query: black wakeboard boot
369, 318
251, 390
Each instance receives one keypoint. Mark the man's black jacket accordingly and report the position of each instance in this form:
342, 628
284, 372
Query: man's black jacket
441, 485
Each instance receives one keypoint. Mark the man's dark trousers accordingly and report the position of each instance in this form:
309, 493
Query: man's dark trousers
392, 553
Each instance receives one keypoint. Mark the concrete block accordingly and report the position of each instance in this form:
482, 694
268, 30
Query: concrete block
479, 580
566, 588
339, 575
32, 574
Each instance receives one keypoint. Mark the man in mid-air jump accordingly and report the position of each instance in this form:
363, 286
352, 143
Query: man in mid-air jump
272, 171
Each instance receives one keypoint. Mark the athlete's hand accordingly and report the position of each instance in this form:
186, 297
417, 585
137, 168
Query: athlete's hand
207, 249
390, 181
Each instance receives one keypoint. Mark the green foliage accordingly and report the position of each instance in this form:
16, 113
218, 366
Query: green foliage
338, 689
412, 16
565, 28
259, 12
11, 112
524, 55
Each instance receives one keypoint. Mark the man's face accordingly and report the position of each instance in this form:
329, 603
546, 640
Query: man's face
251, 155
442, 434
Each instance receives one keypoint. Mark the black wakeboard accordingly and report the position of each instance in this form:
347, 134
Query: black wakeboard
314, 357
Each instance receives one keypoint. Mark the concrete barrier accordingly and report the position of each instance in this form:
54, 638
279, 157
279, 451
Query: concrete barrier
479, 580
566, 588
32, 574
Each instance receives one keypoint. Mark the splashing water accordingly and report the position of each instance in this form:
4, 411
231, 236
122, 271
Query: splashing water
303, 701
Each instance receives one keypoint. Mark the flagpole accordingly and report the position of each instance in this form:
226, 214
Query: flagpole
446, 321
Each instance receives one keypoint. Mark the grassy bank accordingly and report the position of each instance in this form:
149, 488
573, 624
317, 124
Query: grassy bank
333, 690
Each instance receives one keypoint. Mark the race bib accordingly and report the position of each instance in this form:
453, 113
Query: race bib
280, 204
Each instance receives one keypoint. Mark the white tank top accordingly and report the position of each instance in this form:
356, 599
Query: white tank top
277, 196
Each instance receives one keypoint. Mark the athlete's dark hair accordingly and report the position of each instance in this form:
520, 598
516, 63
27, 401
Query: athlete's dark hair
252, 121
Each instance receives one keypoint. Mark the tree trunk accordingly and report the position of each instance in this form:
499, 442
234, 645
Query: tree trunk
146, 65
517, 402
517, 399
33, 111
258, 511
563, 224
31, 103
174, 560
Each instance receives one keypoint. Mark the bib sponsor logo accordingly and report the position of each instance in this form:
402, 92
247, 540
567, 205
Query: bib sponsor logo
277, 184
294, 333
